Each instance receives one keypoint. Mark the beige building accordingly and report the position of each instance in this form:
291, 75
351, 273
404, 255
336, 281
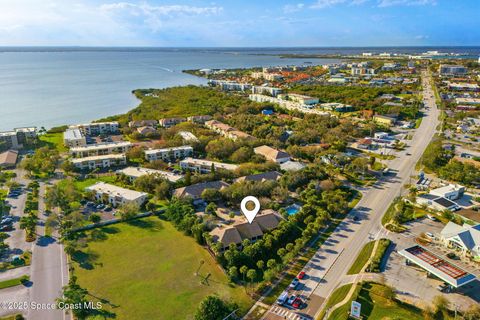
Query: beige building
227, 131
134, 173
74, 138
97, 128
100, 162
116, 196
100, 149
170, 122
272, 154
168, 154
205, 166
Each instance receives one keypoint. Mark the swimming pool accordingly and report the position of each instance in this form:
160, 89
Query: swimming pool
294, 208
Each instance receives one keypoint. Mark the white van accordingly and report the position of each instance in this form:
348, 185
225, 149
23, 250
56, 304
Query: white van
282, 298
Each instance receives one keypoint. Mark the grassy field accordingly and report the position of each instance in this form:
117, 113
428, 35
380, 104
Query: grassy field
376, 307
362, 258
337, 296
146, 270
13, 282
80, 185
53, 140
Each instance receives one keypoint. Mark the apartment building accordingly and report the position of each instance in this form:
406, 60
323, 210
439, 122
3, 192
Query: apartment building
170, 122
227, 131
97, 128
142, 123
362, 71
230, 85
100, 162
73, 138
101, 149
134, 173
24, 134
168, 154
16, 138
451, 70
116, 196
299, 98
205, 166
268, 90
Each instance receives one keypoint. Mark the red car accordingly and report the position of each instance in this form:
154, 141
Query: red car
301, 275
297, 303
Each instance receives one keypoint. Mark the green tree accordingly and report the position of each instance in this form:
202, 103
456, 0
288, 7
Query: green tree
213, 308
129, 210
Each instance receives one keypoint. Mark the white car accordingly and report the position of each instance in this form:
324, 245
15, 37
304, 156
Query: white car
294, 283
291, 299
430, 235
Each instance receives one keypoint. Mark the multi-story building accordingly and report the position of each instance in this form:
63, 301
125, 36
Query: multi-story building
269, 90
205, 166
24, 134
300, 98
134, 173
101, 149
142, 123
227, 131
100, 162
168, 154
116, 196
97, 128
448, 69
362, 71
8, 140
230, 85
170, 122
74, 138
384, 120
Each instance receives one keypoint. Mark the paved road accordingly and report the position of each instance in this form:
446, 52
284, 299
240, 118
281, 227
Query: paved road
332, 261
49, 271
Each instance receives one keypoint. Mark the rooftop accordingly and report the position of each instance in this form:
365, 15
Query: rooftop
137, 172
100, 146
112, 190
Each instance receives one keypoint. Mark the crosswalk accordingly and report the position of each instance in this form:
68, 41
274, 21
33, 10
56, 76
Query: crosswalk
287, 314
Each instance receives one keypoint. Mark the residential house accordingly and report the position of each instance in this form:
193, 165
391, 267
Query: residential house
261, 177
195, 191
170, 122
384, 120
115, 195
187, 136
272, 154
450, 70
199, 119
8, 159
142, 123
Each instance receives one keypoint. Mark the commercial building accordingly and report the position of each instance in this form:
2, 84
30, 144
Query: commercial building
464, 238
170, 122
168, 154
450, 192
433, 264
100, 162
437, 203
74, 138
136, 172
8, 159
205, 166
272, 154
448, 70
97, 128
116, 196
300, 98
195, 191
265, 220
101, 149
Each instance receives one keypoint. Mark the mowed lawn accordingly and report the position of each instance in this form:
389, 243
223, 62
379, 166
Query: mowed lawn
146, 270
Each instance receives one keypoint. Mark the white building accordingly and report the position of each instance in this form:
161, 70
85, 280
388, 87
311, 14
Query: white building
170, 122
74, 138
450, 192
101, 149
116, 196
168, 154
437, 203
16, 138
100, 162
362, 71
465, 238
93, 129
187, 136
9, 140
270, 90
446, 69
300, 98
205, 166
136, 172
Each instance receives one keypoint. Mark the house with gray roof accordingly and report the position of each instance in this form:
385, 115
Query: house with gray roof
464, 238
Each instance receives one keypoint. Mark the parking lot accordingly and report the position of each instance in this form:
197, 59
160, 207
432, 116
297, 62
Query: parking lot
105, 212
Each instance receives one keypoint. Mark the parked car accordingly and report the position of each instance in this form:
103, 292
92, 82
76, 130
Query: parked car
430, 235
453, 256
297, 303
7, 227
282, 298
100, 206
294, 283
429, 216
90, 204
301, 275
291, 299
444, 288
6, 221
108, 209
356, 218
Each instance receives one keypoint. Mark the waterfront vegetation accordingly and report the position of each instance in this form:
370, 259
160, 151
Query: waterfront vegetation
119, 259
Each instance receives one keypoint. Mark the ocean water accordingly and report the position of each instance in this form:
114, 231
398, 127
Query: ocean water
50, 87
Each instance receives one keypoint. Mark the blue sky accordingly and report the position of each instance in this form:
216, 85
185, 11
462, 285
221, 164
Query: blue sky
240, 23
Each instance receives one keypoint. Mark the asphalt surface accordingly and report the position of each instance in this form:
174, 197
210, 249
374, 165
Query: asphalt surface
332, 261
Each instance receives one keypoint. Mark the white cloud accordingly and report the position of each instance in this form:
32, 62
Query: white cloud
320, 4
390, 3
291, 8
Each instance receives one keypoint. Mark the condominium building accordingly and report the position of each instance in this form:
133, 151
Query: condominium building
97, 128
300, 98
15, 138
134, 173
448, 69
74, 138
101, 149
142, 123
269, 90
25, 133
100, 162
187, 136
116, 196
205, 166
170, 122
227, 131
230, 85
168, 154
362, 71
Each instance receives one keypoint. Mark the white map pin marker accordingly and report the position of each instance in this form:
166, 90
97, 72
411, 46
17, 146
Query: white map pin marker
250, 214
